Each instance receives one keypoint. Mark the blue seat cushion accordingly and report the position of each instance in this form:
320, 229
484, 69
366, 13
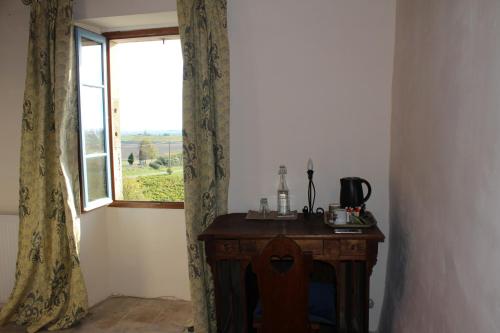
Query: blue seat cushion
321, 304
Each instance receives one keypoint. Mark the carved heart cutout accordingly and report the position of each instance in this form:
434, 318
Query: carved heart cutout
281, 264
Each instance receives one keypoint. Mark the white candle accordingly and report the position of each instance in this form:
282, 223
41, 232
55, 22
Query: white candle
310, 164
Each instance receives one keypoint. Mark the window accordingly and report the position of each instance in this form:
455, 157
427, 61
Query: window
131, 154
92, 97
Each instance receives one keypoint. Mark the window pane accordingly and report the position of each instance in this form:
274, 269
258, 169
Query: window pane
97, 185
94, 133
92, 109
91, 62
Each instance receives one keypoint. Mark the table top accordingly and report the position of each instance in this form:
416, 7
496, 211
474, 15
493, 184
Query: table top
236, 226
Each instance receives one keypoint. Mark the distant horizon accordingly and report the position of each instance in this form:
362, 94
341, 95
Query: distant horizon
151, 132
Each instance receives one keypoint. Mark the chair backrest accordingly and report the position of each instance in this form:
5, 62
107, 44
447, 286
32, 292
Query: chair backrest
283, 271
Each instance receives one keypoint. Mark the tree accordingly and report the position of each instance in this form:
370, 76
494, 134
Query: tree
154, 165
131, 159
162, 160
147, 150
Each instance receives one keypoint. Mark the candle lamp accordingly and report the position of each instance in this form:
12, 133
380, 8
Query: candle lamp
311, 193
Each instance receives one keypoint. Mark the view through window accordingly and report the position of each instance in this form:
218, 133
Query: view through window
146, 118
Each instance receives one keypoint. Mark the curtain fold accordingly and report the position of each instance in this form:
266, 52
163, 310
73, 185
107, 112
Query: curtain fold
203, 30
49, 290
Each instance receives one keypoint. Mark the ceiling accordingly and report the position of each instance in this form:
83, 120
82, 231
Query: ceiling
130, 22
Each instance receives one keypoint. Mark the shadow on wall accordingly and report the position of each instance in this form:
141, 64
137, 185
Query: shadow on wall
396, 271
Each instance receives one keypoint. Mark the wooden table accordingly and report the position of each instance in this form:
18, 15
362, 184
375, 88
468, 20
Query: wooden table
233, 240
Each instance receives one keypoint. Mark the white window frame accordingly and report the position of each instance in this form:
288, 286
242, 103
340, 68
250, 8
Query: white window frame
86, 204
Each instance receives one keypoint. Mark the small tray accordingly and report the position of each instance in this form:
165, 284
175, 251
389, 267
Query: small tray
367, 217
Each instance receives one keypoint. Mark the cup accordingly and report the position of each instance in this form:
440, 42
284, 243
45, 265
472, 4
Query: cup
341, 216
264, 206
331, 212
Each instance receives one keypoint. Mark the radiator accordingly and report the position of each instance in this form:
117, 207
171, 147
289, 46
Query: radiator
9, 227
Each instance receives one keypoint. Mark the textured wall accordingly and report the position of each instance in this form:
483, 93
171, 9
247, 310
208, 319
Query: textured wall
443, 271
312, 79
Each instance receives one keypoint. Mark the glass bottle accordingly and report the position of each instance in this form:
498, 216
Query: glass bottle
283, 195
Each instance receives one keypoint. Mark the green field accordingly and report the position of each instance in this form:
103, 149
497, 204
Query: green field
143, 183
136, 171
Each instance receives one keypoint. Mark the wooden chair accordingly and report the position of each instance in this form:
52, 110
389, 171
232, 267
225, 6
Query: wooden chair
283, 271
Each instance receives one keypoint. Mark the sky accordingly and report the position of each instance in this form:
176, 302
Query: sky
148, 82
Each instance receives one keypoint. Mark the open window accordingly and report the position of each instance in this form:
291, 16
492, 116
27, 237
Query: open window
95, 164
130, 104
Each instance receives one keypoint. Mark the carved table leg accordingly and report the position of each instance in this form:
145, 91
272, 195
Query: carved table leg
370, 263
243, 269
366, 297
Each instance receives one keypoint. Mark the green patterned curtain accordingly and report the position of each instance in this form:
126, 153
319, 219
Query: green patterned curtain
49, 290
203, 29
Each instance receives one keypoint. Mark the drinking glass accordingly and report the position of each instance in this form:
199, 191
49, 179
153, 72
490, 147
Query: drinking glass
264, 206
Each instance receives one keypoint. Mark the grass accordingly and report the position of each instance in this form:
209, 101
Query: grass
143, 183
163, 187
137, 171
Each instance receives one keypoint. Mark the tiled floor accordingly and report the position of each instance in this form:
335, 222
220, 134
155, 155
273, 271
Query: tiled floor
131, 315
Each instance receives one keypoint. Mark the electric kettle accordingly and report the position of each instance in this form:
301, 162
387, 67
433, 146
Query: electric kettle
351, 192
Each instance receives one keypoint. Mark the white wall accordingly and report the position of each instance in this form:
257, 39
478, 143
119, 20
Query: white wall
148, 251
9, 229
95, 256
311, 79
14, 20
443, 272
152, 240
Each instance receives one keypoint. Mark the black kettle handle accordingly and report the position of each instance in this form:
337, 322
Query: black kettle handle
369, 190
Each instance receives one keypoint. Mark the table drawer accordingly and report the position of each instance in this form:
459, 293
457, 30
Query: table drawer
331, 248
254, 247
227, 247
313, 246
353, 247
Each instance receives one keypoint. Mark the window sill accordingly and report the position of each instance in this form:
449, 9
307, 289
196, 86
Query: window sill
147, 204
